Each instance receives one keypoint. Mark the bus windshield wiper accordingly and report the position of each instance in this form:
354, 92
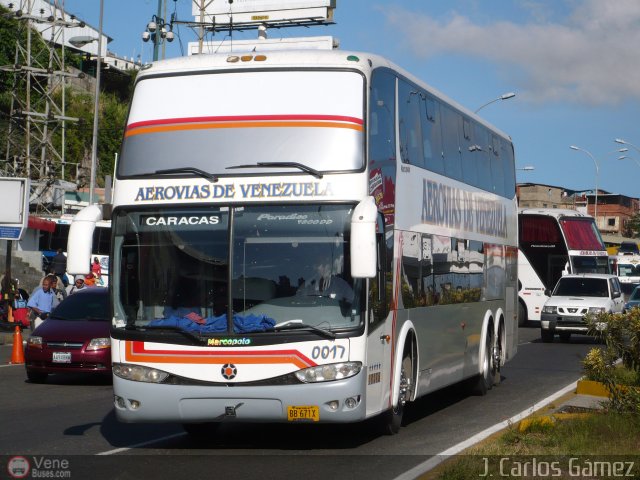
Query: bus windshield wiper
187, 333
299, 166
168, 171
299, 324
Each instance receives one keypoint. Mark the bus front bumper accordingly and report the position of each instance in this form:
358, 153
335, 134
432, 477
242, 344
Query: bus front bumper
340, 401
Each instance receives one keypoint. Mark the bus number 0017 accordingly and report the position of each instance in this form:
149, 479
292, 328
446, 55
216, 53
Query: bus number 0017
334, 352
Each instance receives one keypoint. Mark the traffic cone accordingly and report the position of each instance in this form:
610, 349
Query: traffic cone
17, 356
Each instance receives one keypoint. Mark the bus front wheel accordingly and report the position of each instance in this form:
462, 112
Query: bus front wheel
392, 419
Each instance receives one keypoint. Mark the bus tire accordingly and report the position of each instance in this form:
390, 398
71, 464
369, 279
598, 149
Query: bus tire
391, 420
498, 353
483, 382
201, 431
522, 315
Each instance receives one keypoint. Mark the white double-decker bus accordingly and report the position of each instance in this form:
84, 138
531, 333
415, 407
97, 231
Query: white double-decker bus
554, 242
305, 236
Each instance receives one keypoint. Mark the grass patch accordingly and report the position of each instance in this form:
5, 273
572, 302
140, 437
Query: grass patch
601, 434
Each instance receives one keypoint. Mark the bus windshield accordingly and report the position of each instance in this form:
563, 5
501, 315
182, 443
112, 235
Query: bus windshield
270, 265
581, 234
223, 124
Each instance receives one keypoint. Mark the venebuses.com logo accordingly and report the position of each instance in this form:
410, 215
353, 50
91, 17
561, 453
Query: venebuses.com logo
38, 467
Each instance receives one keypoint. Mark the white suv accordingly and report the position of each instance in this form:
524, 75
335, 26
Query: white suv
573, 297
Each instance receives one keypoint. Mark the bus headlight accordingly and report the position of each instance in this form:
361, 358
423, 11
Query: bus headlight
550, 309
138, 373
330, 372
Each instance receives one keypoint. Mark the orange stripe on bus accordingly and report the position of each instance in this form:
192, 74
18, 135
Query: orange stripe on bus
135, 352
207, 126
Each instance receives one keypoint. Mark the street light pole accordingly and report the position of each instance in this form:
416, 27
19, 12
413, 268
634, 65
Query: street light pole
504, 96
630, 158
624, 142
96, 112
595, 210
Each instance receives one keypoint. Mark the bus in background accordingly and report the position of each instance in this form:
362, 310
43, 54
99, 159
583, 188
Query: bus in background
49, 242
552, 243
333, 245
627, 267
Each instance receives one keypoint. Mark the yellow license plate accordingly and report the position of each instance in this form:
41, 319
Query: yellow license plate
303, 413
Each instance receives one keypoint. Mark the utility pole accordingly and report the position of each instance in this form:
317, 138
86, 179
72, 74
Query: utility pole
157, 38
36, 112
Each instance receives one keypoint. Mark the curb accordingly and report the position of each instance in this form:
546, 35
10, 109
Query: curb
588, 397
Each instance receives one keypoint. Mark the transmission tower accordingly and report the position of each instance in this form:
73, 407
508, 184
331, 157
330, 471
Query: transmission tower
37, 123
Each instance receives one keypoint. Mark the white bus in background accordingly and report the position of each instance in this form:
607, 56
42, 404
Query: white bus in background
273, 175
49, 242
627, 268
552, 243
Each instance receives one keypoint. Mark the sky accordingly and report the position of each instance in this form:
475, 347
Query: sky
574, 66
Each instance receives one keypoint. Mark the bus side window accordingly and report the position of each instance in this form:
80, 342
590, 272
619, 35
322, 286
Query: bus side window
497, 170
432, 136
410, 113
382, 144
451, 143
380, 287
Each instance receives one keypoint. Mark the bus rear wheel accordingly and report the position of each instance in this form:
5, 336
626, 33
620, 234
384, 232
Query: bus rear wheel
483, 382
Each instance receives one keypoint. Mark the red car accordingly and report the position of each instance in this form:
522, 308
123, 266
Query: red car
75, 337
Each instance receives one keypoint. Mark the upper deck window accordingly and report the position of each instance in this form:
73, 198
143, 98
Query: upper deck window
217, 121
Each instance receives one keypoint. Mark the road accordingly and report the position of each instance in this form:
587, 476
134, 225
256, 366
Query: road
72, 418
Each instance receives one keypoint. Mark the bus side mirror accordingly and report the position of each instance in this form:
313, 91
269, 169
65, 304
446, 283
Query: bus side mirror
363, 239
81, 239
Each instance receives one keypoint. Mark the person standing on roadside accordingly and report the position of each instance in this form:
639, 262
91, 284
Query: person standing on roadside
78, 284
96, 270
41, 303
59, 266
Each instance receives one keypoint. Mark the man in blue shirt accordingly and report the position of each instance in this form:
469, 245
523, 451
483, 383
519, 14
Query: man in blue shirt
41, 302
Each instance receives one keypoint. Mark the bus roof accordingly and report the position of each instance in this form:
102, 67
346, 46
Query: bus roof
303, 58
553, 212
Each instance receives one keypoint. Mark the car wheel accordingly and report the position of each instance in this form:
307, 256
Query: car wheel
37, 377
565, 337
547, 336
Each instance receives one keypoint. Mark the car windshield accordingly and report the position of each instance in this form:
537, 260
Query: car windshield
582, 287
635, 295
91, 305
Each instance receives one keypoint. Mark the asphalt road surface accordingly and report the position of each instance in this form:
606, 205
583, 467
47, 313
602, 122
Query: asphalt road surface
71, 418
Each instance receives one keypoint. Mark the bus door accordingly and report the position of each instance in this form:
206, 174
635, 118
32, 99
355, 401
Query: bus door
379, 330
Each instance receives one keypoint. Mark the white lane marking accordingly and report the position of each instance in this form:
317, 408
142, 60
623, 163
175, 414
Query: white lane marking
436, 460
143, 444
11, 365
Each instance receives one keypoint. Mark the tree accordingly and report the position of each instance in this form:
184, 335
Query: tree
632, 226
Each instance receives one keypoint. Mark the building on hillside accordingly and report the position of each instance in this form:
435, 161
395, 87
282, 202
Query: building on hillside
614, 211
538, 195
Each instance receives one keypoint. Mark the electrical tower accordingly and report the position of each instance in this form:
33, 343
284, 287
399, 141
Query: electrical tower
36, 132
